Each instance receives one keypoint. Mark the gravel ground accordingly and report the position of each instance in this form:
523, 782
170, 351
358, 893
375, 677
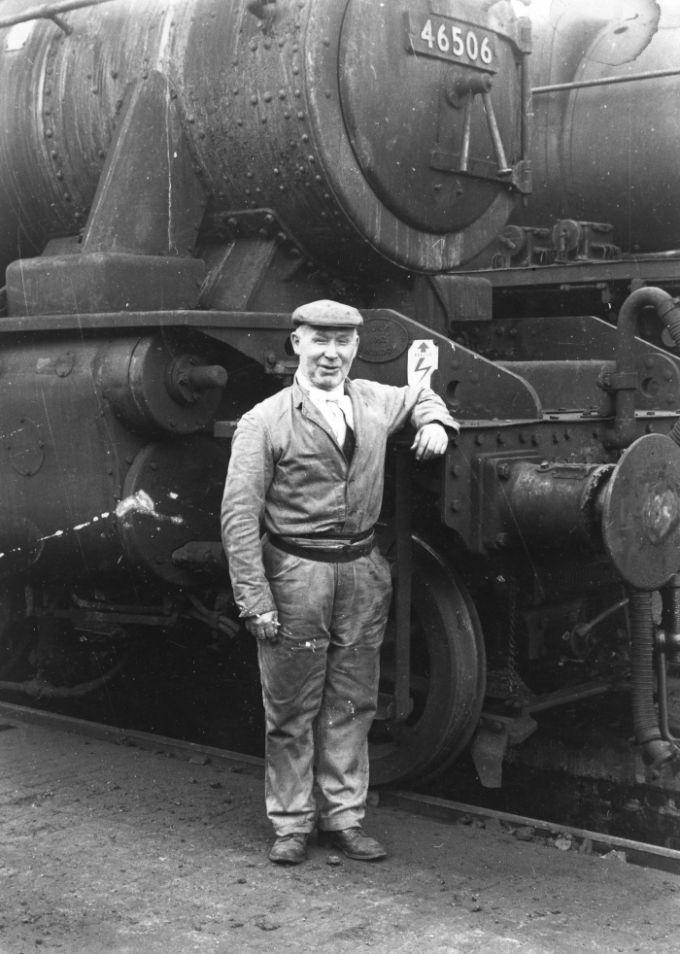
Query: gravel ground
107, 848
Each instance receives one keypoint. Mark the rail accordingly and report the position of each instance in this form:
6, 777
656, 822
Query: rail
635, 852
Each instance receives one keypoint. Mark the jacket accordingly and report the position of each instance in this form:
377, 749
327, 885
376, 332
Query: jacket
288, 475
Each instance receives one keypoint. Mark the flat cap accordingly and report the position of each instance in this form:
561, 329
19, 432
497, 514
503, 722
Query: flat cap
327, 314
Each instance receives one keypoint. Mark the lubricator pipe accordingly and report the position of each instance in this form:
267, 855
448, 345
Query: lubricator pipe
624, 380
656, 751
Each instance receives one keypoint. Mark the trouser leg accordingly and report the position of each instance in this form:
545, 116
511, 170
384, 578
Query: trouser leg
362, 597
293, 672
320, 686
291, 694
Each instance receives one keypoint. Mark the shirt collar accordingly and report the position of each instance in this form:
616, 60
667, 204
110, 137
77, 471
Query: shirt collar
318, 395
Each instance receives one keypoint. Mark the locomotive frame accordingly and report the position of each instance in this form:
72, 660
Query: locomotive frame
173, 241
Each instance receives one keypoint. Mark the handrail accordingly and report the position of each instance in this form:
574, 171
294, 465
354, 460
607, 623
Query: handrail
49, 11
604, 81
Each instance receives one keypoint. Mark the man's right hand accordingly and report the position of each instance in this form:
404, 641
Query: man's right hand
263, 626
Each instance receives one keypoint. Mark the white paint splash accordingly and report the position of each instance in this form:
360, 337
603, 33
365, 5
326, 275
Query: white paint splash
138, 503
142, 503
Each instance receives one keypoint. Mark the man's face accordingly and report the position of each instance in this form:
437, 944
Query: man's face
326, 354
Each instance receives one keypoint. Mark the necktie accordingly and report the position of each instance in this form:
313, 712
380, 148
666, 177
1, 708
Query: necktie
343, 432
337, 420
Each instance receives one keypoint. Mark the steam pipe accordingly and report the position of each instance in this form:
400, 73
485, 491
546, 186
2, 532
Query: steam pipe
624, 380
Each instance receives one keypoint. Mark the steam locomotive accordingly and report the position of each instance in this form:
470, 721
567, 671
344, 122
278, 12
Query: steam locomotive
176, 177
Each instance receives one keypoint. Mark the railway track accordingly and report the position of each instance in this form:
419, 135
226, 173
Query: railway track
565, 837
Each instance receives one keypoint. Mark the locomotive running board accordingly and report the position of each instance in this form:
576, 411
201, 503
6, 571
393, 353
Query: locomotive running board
474, 387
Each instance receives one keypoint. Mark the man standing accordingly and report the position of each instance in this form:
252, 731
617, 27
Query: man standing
307, 464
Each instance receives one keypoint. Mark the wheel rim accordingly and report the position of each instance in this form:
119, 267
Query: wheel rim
448, 676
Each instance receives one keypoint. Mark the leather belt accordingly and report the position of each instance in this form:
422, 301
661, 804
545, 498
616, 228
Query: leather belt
331, 550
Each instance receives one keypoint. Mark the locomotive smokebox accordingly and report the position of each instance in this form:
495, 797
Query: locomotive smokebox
353, 131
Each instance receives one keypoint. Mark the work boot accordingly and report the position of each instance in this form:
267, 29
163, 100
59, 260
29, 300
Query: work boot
355, 843
289, 849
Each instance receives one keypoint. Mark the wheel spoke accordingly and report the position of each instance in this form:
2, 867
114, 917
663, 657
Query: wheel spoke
447, 677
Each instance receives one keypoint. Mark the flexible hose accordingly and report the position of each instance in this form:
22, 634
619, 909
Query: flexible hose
655, 749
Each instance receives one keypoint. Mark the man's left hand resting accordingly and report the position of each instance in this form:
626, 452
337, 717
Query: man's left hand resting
431, 441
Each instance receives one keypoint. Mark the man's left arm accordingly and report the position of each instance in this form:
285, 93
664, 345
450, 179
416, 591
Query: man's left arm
433, 425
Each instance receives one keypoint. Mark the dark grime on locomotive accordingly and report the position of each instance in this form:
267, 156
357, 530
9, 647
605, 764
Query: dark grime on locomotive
176, 177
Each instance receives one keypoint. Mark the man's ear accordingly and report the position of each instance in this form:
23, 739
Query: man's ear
295, 341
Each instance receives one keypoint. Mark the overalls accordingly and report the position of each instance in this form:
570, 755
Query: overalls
288, 474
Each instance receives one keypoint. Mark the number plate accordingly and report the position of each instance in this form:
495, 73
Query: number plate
452, 40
